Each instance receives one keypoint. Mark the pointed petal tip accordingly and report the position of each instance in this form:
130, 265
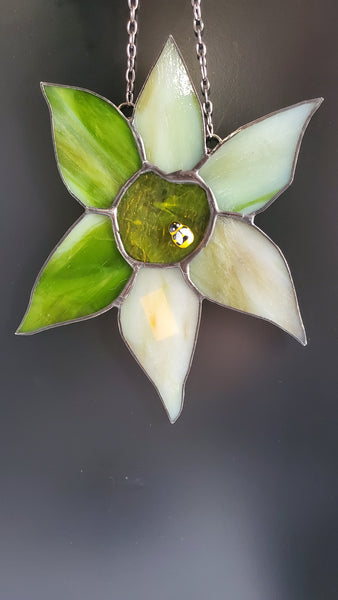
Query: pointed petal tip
44, 85
172, 421
171, 41
316, 102
171, 44
173, 417
22, 332
47, 87
299, 335
303, 339
172, 405
19, 330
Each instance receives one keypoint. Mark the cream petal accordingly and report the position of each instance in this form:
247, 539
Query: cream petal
159, 322
257, 163
168, 115
242, 269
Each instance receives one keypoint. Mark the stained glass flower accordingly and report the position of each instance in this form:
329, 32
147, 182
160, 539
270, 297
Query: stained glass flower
166, 225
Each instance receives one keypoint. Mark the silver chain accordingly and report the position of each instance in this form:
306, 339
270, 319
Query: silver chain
131, 51
201, 50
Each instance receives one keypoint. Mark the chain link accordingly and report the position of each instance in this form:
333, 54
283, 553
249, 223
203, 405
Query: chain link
201, 51
131, 51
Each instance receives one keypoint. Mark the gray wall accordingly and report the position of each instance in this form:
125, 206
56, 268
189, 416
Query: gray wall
100, 496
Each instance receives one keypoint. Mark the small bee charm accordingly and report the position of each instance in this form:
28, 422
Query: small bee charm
181, 235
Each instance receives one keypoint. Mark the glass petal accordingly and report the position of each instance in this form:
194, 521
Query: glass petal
241, 268
256, 164
83, 275
159, 322
168, 115
147, 210
94, 144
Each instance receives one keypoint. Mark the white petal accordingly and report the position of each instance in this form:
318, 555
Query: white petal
241, 268
256, 163
159, 321
168, 115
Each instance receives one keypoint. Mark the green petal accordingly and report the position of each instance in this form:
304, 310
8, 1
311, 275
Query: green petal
159, 321
241, 268
257, 163
83, 275
95, 147
168, 115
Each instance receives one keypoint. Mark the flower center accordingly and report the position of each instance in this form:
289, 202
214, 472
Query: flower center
162, 221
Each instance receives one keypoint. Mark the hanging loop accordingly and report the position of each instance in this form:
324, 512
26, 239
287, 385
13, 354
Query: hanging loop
213, 142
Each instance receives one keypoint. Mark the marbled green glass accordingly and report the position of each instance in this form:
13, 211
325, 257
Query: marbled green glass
95, 147
84, 275
147, 209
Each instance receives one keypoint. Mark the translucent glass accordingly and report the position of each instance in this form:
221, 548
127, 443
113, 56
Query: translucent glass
256, 163
241, 268
168, 115
148, 209
159, 321
83, 275
94, 144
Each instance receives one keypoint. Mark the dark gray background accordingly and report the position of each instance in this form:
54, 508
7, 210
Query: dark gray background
100, 496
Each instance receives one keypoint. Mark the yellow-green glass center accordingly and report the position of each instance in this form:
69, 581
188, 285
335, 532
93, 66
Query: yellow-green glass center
162, 221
